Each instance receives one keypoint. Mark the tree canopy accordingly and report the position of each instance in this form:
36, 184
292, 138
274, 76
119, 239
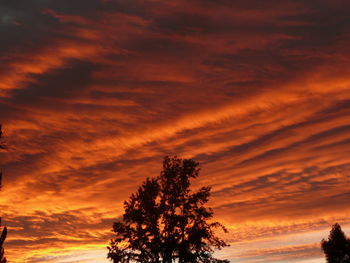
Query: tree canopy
337, 247
165, 222
2, 239
3, 233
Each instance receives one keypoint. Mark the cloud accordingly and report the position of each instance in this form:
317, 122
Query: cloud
93, 95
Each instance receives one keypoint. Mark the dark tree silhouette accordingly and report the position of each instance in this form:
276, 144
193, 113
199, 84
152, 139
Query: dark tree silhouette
165, 222
3, 233
2, 239
337, 247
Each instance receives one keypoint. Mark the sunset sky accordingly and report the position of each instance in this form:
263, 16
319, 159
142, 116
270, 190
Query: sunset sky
94, 94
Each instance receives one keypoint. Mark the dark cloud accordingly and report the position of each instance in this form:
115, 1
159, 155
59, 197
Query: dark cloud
69, 81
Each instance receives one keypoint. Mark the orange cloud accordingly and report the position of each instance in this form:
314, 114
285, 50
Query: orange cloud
93, 95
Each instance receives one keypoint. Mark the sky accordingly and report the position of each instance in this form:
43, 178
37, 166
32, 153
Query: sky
94, 94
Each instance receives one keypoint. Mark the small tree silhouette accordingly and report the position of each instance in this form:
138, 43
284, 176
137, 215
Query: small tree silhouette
165, 222
337, 247
2, 239
4, 231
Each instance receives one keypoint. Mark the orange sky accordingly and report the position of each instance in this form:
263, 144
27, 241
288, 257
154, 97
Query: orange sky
94, 93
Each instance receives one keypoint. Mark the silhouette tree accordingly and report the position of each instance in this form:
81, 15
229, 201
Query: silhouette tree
2, 239
165, 222
337, 247
3, 233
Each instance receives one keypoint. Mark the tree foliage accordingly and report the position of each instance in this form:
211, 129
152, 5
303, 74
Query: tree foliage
165, 222
3, 233
337, 247
2, 239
